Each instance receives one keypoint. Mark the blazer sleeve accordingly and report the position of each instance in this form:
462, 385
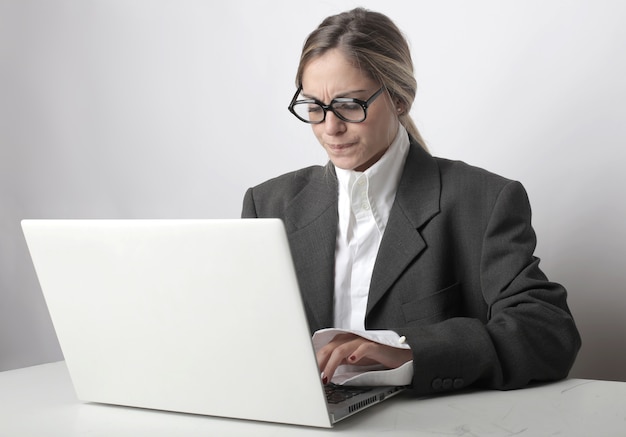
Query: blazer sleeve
529, 333
249, 208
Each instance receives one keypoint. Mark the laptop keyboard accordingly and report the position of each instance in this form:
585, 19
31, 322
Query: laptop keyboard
339, 393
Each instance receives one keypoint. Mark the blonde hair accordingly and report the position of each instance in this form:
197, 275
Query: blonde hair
375, 44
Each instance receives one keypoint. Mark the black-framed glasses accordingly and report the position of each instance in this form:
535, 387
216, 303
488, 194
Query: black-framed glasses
313, 111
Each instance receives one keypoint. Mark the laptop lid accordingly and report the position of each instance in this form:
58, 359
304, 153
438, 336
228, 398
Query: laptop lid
194, 316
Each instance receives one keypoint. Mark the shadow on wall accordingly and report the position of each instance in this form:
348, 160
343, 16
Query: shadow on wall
593, 271
603, 355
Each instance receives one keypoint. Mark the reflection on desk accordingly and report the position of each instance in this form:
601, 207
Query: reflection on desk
40, 401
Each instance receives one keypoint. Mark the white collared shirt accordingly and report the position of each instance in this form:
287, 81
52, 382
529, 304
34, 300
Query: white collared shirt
365, 200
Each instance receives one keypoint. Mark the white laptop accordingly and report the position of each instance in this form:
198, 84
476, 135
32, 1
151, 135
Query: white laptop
194, 316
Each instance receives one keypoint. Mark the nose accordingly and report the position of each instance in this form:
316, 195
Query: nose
333, 125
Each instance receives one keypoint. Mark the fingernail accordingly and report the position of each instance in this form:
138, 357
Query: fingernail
352, 358
324, 380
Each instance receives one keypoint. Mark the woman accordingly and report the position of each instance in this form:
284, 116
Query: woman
387, 237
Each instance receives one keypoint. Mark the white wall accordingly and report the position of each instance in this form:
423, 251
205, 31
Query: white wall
166, 109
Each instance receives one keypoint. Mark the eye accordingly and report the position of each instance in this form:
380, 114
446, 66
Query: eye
347, 106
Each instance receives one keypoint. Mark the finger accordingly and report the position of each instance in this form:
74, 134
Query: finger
364, 354
339, 356
370, 353
324, 353
322, 356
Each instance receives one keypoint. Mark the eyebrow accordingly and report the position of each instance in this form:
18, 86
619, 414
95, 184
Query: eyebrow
338, 96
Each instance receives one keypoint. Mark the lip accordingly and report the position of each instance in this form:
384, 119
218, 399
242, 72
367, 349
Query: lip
340, 147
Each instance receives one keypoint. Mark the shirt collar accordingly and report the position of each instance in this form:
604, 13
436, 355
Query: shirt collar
382, 177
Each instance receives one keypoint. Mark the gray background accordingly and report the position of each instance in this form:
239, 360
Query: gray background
171, 109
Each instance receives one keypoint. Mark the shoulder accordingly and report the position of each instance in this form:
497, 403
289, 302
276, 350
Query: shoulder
289, 184
466, 188
465, 179
274, 196
452, 170
452, 175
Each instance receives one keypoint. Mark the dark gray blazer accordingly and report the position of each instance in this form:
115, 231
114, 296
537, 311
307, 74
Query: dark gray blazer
455, 272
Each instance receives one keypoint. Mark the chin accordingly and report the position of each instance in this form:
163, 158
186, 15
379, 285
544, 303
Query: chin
344, 165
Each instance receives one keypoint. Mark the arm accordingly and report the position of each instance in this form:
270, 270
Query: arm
248, 209
529, 333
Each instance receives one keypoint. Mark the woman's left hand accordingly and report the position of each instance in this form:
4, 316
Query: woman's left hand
355, 350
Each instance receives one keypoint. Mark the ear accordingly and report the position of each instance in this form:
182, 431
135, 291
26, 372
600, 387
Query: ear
398, 105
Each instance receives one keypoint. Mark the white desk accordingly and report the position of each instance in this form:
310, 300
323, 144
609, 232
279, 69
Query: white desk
40, 401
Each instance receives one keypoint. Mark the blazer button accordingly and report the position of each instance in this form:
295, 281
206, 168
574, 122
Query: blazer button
458, 383
437, 383
447, 384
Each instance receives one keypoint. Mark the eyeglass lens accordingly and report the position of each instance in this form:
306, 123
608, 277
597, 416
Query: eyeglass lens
314, 113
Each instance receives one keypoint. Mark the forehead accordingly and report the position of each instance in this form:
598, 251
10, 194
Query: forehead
333, 71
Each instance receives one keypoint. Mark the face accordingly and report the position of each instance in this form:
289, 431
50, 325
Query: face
350, 146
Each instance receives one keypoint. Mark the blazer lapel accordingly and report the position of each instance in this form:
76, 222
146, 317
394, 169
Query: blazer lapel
312, 230
417, 201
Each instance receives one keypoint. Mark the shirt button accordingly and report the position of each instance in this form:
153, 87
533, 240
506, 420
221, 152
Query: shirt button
458, 383
447, 384
365, 206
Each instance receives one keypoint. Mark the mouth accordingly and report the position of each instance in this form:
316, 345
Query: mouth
340, 147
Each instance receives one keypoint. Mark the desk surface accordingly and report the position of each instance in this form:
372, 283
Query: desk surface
40, 400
